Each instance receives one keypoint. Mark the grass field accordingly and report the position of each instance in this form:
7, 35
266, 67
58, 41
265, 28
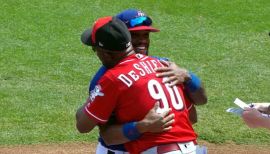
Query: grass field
45, 69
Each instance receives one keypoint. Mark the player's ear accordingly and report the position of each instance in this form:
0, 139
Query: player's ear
109, 56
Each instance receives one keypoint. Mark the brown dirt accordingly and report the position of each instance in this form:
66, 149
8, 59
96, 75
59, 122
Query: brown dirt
82, 148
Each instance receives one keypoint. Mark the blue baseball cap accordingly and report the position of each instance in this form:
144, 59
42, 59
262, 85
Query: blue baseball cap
136, 20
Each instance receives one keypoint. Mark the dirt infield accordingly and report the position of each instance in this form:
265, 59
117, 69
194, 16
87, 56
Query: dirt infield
83, 148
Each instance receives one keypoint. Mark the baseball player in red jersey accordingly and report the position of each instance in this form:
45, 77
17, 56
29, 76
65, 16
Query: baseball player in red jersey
120, 90
140, 27
133, 76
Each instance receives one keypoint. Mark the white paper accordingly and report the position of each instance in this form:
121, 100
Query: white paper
240, 103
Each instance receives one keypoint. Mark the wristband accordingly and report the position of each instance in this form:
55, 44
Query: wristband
130, 131
194, 83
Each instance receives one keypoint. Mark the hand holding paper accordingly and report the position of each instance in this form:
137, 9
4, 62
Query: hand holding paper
242, 105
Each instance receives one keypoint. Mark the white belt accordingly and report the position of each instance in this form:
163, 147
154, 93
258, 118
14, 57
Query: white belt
176, 148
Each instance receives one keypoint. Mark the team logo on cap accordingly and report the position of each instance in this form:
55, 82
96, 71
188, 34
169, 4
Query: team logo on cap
95, 92
140, 13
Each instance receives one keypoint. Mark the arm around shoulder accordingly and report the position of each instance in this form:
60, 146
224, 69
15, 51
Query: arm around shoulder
152, 122
84, 123
112, 134
193, 115
195, 90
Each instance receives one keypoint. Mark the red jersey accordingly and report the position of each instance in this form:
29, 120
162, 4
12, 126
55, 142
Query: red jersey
130, 90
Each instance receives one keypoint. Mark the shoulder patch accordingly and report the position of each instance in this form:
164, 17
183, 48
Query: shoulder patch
96, 92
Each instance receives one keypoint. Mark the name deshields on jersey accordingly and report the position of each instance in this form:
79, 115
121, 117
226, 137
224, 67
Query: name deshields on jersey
140, 69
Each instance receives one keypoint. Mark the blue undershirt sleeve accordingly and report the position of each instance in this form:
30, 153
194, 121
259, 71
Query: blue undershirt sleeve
96, 77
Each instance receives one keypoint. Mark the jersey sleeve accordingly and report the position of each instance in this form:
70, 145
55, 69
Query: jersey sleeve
102, 100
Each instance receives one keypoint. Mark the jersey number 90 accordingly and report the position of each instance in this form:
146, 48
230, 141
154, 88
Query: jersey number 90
157, 92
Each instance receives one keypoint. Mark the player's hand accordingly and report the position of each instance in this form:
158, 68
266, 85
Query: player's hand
262, 107
174, 74
156, 122
251, 117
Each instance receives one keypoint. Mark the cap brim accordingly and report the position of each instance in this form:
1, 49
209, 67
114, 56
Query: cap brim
86, 37
146, 28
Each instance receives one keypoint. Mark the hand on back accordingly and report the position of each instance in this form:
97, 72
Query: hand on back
156, 122
175, 75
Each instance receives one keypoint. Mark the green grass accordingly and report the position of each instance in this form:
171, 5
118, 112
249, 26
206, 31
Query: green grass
45, 69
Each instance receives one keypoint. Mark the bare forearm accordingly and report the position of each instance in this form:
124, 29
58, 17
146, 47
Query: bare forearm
193, 115
197, 97
83, 123
153, 122
195, 90
113, 135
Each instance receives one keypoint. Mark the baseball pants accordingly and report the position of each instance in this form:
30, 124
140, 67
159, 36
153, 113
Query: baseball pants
172, 148
104, 150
